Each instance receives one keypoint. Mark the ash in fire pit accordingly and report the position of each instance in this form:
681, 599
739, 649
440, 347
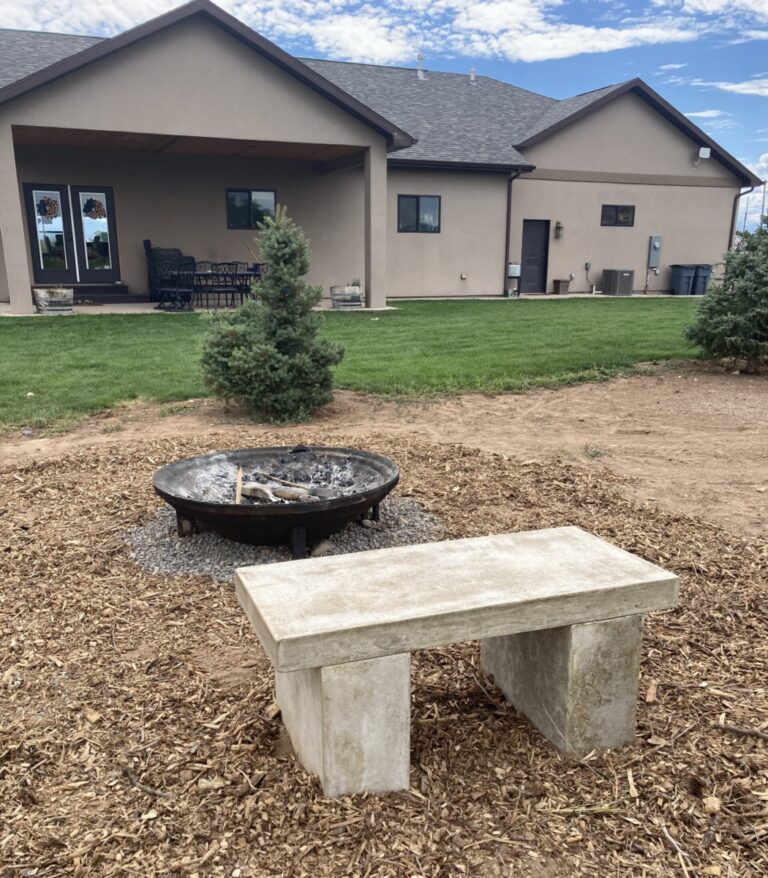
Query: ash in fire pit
268, 496
301, 474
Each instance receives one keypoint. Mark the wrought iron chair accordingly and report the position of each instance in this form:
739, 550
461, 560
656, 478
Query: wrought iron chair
156, 255
175, 285
226, 282
204, 279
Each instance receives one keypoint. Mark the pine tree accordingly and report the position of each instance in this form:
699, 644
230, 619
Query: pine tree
732, 320
266, 354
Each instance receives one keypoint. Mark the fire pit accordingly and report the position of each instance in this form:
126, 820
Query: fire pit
272, 496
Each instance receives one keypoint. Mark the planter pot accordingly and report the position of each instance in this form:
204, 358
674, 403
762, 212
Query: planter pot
346, 297
54, 301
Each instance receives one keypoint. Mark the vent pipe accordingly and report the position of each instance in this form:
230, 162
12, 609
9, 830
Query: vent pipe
420, 71
472, 74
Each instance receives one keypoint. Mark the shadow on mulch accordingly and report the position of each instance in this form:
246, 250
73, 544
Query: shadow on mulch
138, 735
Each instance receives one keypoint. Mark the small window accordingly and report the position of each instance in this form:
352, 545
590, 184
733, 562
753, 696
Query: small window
418, 213
617, 215
248, 207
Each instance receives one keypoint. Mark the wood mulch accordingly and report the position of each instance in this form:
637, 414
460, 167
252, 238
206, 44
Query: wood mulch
138, 735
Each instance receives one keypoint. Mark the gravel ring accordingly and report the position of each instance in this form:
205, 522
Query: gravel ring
156, 547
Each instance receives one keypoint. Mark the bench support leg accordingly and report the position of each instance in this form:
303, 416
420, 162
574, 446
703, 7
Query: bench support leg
576, 684
350, 723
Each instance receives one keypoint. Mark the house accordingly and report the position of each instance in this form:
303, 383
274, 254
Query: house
187, 129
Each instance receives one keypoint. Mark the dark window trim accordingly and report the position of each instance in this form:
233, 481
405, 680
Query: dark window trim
418, 214
249, 190
617, 208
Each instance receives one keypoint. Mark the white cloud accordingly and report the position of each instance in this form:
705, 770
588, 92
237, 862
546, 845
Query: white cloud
760, 166
757, 87
758, 8
363, 38
385, 31
706, 114
749, 36
393, 31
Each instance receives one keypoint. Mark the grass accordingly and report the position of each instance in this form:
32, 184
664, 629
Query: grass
78, 365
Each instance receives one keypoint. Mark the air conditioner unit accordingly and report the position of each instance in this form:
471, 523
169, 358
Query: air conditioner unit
618, 282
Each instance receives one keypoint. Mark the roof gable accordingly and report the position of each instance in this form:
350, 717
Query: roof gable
568, 111
396, 137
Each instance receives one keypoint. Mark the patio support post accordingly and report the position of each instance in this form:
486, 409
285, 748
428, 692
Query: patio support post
15, 280
375, 225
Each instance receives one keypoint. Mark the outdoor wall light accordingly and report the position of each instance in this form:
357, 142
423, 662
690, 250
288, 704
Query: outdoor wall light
559, 229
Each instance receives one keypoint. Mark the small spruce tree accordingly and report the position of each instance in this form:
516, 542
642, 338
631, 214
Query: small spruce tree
266, 354
732, 319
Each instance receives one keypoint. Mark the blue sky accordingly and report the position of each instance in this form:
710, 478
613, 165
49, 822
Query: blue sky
707, 57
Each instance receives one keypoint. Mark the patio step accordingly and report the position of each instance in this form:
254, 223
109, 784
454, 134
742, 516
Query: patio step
106, 294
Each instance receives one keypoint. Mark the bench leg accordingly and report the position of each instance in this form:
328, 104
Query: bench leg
576, 684
350, 724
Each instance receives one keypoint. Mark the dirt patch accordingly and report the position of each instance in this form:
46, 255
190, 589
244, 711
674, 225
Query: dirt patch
686, 437
127, 746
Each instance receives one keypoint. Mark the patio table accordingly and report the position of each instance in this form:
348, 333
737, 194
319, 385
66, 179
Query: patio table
234, 286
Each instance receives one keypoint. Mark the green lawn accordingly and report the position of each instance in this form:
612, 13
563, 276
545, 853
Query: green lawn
77, 365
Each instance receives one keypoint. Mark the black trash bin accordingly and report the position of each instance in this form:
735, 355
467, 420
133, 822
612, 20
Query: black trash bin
701, 281
683, 277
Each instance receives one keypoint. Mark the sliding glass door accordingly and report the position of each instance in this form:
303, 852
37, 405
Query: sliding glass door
72, 233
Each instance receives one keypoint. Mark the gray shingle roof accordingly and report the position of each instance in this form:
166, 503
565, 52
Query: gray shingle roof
23, 52
484, 122
454, 119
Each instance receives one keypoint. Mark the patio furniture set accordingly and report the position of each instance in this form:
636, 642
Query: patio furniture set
178, 282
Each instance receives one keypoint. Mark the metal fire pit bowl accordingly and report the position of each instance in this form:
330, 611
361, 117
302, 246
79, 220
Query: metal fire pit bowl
196, 489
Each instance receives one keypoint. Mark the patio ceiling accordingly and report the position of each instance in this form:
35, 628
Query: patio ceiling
163, 144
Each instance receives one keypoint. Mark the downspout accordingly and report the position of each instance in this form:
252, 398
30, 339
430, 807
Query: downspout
512, 177
735, 215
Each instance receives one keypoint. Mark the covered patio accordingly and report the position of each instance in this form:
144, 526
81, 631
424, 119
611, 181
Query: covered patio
187, 193
89, 169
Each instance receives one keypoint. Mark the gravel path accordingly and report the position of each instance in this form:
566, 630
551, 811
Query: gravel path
156, 547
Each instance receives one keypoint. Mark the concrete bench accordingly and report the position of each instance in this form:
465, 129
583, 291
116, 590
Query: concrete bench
558, 612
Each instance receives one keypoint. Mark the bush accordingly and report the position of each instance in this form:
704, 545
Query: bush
732, 320
266, 354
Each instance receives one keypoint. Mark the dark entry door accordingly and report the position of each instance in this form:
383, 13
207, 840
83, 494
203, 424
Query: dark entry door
533, 271
50, 233
93, 216
72, 233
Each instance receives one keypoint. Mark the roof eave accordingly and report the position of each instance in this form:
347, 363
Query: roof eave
644, 91
446, 165
395, 136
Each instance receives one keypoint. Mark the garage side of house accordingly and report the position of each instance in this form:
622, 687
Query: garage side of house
609, 181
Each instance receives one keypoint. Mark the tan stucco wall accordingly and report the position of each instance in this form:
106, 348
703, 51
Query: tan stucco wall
625, 136
192, 79
470, 241
624, 153
693, 223
180, 202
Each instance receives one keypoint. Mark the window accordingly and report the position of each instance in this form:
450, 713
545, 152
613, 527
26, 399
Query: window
617, 215
247, 207
418, 213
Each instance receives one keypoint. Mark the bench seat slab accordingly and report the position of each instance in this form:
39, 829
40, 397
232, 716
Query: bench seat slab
577, 684
350, 724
